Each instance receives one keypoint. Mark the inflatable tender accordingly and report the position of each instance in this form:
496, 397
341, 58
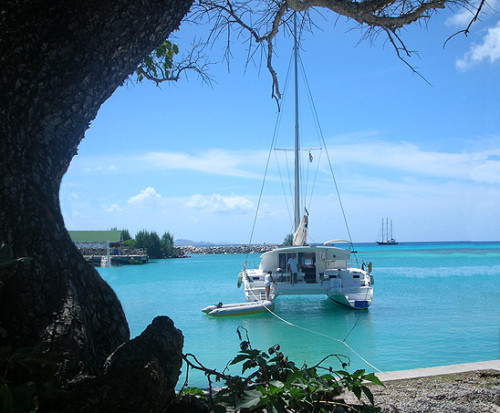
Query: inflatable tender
255, 307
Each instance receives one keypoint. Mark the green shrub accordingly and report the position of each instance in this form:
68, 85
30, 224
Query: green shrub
274, 383
130, 243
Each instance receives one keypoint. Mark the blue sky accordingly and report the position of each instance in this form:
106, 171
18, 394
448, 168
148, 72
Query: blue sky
189, 158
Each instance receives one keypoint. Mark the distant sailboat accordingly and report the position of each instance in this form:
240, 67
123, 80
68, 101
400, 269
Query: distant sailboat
387, 238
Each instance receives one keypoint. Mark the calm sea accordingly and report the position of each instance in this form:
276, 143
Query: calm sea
434, 304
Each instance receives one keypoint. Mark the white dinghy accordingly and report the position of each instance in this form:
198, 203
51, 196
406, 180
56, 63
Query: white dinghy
254, 307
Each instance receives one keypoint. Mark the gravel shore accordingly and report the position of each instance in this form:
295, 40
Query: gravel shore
470, 392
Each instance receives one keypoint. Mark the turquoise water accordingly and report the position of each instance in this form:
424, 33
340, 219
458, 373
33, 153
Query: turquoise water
435, 304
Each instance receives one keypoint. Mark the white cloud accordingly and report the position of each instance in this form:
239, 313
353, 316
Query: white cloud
105, 167
113, 208
214, 161
464, 15
220, 203
462, 18
147, 196
406, 158
369, 151
488, 50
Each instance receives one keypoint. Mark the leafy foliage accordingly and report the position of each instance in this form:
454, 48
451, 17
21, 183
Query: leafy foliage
130, 243
156, 247
125, 235
275, 384
158, 65
167, 245
150, 241
288, 241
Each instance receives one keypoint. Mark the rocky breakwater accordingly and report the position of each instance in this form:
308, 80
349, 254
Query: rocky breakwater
227, 249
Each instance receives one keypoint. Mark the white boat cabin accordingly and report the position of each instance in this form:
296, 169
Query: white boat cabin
321, 270
313, 262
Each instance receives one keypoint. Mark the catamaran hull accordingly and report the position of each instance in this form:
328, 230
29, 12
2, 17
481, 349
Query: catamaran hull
324, 270
359, 300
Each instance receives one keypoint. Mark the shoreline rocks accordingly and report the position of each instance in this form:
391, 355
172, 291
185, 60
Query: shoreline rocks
470, 392
227, 249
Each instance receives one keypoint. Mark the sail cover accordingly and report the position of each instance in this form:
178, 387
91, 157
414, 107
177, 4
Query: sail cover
300, 236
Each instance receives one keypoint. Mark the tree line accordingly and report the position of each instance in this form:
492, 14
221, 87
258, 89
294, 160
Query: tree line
155, 246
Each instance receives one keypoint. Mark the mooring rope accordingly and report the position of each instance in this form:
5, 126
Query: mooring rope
319, 333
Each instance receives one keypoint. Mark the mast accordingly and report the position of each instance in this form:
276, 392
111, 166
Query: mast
297, 148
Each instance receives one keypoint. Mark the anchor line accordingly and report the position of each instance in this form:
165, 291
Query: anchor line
321, 334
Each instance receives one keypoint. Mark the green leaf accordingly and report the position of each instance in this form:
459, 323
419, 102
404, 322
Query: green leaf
357, 391
239, 358
276, 383
261, 360
374, 379
249, 399
368, 394
358, 373
276, 406
247, 365
195, 391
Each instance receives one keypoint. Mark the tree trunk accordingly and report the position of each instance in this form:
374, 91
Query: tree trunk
59, 61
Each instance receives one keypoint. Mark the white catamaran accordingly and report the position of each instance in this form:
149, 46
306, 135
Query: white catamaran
306, 269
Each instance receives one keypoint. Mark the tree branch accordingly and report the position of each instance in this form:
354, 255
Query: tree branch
466, 31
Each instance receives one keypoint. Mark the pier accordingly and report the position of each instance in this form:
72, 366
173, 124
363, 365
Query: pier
117, 256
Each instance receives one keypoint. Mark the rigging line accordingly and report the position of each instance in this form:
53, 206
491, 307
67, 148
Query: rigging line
357, 321
285, 94
316, 124
275, 134
311, 101
314, 182
330, 165
284, 191
308, 198
289, 179
263, 181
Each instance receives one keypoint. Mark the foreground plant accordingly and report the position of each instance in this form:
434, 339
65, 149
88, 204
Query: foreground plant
272, 382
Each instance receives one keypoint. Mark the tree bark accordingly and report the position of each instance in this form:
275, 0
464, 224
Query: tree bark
59, 61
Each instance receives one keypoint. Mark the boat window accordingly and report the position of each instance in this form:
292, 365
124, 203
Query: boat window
307, 259
283, 259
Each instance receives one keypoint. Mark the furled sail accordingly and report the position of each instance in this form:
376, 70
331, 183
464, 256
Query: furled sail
300, 236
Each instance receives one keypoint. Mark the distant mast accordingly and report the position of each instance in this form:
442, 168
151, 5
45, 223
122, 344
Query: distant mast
387, 238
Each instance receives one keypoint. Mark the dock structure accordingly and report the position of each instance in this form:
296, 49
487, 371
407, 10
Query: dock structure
120, 259
96, 248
